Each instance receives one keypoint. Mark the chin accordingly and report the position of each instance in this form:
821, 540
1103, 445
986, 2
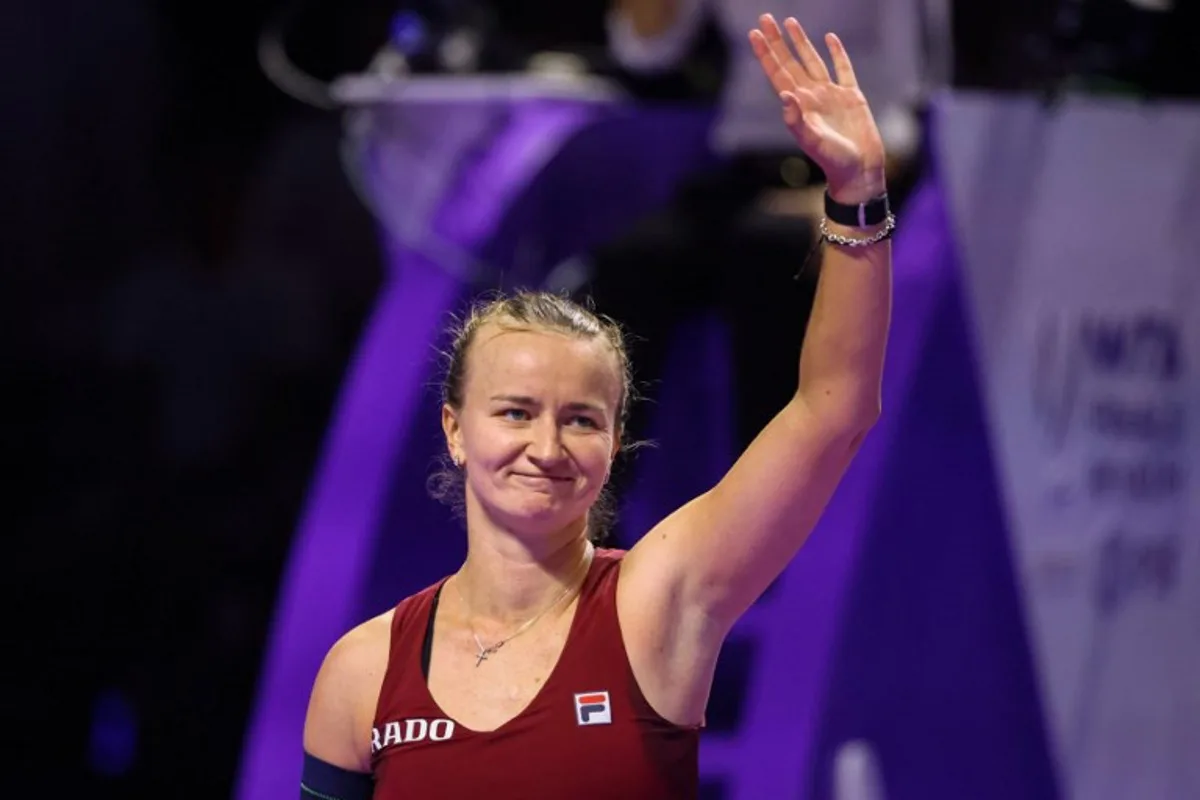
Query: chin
538, 514
535, 517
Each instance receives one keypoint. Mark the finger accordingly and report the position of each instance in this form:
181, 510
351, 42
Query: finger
794, 117
779, 77
841, 62
774, 37
813, 63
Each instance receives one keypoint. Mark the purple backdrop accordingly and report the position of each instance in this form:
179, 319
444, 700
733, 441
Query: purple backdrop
898, 623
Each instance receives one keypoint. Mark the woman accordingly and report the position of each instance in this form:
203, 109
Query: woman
546, 667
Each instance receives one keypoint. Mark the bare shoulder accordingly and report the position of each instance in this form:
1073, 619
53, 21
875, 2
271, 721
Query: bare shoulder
337, 729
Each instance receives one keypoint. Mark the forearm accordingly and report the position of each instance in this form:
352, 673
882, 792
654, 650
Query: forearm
841, 363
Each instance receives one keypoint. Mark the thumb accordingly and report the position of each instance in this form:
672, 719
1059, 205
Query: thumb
792, 113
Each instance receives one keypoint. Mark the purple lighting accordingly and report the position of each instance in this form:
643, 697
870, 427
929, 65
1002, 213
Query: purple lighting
370, 535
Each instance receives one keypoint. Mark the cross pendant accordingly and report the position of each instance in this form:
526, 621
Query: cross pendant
484, 652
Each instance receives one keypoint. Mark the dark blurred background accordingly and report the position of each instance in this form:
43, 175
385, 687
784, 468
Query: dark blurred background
187, 270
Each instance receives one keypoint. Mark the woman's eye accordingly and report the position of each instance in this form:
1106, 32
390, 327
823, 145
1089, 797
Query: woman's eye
584, 422
515, 414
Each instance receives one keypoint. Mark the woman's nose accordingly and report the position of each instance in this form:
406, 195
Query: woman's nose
546, 444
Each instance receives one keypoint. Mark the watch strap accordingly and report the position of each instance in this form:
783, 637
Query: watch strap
862, 215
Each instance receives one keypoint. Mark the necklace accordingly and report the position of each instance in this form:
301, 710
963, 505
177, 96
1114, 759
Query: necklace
492, 649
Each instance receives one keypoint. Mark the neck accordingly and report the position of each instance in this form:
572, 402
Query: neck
506, 581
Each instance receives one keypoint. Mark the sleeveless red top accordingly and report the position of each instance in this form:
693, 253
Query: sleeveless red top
588, 733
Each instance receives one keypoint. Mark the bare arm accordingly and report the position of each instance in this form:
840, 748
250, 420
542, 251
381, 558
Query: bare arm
692, 576
337, 728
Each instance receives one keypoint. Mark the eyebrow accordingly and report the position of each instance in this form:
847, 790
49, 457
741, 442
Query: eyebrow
522, 400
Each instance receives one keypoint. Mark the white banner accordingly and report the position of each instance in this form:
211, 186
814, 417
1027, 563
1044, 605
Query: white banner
1079, 234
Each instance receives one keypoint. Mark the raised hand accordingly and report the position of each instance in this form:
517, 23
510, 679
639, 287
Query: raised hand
830, 118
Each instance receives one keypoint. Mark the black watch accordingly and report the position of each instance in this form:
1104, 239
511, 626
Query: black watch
863, 215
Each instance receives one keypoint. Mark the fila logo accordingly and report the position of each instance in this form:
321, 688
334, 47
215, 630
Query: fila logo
593, 708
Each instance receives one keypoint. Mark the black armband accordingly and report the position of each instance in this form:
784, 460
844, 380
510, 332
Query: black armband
322, 781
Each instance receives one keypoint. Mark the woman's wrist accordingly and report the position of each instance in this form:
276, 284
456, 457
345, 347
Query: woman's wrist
865, 185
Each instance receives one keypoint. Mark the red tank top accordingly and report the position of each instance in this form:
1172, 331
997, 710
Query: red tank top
589, 732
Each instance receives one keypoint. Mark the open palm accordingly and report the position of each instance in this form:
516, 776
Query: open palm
830, 119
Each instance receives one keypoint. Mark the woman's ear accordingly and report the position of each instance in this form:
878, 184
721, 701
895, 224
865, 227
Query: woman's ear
453, 433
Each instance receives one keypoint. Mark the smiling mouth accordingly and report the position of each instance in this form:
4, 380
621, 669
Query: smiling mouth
547, 478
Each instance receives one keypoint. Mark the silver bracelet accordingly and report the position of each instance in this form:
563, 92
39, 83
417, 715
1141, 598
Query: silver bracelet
884, 233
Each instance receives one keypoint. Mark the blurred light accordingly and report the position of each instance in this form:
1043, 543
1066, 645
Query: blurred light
551, 64
460, 50
1153, 5
409, 33
856, 772
568, 276
113, 741
795, 171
